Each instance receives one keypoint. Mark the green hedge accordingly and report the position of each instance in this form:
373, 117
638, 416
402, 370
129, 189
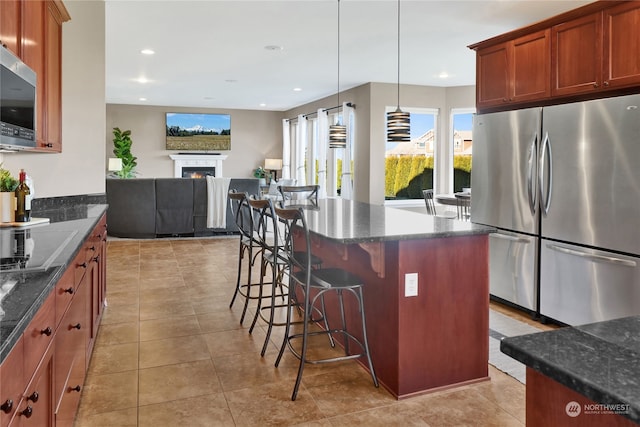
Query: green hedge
407, 176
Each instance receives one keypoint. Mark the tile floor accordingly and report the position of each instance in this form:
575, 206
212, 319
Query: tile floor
170, 352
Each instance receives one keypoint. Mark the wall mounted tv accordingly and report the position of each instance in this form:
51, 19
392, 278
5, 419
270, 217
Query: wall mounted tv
198, 132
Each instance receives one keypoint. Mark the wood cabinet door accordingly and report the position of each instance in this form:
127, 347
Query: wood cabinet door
37, 405
531, 67
492, 75
33, 35
10, 25
621, 65
576, 56
53, 77
11, 383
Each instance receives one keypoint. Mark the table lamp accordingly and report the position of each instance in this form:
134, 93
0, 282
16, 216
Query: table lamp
273, 165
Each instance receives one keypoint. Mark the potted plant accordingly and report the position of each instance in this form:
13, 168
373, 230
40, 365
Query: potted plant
261, 173
122, 149
8, 185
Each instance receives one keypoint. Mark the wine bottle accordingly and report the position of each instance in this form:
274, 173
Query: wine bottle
22, 191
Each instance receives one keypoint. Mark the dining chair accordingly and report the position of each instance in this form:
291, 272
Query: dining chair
431, 206
463, 204
249, 246
312, 285
303, 195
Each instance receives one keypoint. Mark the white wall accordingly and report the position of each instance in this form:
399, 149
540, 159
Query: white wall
255, 135
79, 169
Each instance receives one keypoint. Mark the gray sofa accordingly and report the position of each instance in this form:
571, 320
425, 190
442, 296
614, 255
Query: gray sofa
158, 207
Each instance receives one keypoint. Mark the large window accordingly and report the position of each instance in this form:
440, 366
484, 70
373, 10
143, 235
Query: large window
409, 165
462, 147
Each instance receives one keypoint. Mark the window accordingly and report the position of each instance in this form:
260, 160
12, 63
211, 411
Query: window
409, 166
461, 147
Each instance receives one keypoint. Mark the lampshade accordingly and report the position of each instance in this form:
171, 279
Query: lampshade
398, 126
273, 164
398, 122
337, 136
115, 165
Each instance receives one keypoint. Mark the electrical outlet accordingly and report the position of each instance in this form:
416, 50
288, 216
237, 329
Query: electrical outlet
411, 285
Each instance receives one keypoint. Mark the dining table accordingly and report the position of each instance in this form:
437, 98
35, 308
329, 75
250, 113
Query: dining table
451, 199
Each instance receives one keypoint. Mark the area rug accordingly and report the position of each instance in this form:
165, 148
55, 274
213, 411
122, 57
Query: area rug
501, 326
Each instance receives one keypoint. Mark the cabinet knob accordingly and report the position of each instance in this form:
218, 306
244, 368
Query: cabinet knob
83, 265
46, 331
96, 258
34, 397
7, 406
76, 388
76, 326
48, 145
504, 99
596, 85
69, 290
605, 84
93, 248
28, 411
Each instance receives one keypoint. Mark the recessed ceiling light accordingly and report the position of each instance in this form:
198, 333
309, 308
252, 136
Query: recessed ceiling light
262, 104
297, 89
208, 98
147, 52
231, 81
274, 47
142, 99
142, 80
443, 75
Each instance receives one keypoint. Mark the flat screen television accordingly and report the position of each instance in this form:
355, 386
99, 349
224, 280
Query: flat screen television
198, 132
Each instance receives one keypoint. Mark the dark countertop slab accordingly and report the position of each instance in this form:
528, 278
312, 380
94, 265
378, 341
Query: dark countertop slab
71, 225
600, 360
348, 221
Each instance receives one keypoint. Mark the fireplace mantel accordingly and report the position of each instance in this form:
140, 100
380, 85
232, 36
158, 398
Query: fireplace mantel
191, 160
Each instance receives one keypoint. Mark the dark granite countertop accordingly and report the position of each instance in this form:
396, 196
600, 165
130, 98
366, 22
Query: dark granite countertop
348, 221
600, 360
52, 247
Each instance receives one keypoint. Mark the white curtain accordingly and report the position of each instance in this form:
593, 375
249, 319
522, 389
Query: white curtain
348, 119
323, 134
286, 149
301, 144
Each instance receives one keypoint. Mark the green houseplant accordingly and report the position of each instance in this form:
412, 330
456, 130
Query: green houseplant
122, 149
8, 185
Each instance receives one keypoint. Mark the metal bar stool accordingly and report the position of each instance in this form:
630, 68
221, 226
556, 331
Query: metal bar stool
299, 195
275, 257
248, 246
314, 284
463, 203
431, 205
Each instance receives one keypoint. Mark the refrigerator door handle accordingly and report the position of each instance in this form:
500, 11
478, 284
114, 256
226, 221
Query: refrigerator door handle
510, 237
594, 257
544, 155
531, 191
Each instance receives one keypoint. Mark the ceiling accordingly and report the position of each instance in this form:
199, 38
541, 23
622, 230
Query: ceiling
216, 54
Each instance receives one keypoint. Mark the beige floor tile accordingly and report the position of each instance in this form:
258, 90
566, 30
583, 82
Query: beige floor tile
201, 411
125, 313
123, 418
180, 381
173, 350
168, 327
110, 392
108, 359
118, 333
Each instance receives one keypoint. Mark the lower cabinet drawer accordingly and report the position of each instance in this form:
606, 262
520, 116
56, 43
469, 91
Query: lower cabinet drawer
39, 335
71, 391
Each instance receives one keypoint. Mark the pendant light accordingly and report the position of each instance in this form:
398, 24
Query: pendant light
398, 122
338, 131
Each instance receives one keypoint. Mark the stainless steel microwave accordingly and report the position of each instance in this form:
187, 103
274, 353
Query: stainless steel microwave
17, 103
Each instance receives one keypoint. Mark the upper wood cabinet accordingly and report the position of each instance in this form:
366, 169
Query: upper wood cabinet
586, 53
514, 71
10, 24
577, 55
621, 46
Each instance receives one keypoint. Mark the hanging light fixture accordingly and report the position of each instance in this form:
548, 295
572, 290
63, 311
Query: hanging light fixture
398, 122
338, 131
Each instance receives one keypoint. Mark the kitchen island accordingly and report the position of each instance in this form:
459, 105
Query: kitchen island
581, 376
426, 291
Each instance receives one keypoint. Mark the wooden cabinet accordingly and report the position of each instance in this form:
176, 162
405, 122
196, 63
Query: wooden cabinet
587, 53
577, 55
42, 377
514, 71
10, 25
621, 45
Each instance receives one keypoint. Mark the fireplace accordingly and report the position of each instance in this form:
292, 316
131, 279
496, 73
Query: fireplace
187, 165
198, 171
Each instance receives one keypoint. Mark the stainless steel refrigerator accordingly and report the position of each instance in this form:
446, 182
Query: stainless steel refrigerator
562, 186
